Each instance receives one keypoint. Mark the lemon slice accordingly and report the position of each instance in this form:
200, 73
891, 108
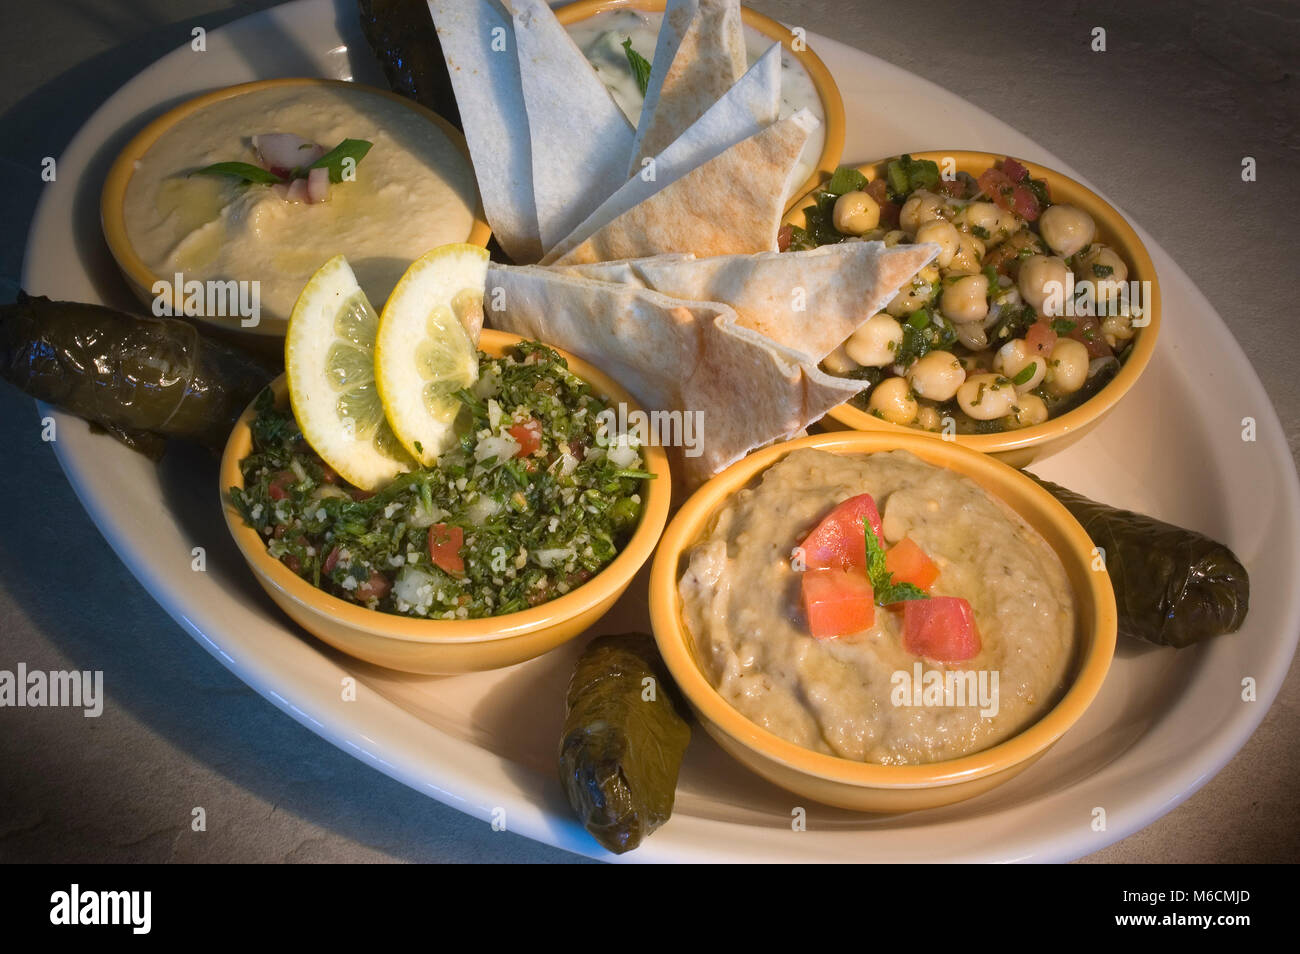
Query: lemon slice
424, 352
329, 361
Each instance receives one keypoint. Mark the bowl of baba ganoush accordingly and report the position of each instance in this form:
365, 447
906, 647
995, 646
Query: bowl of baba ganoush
881, 622
224, 207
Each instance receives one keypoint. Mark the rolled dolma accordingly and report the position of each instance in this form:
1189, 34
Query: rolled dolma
1174, 587
402, 37
623, 740
142, 379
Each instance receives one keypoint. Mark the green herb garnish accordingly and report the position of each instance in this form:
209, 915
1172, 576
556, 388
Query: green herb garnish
1026, 373
354, 149
640, 66
1063, 326
1102, 271
906, 174
882, 581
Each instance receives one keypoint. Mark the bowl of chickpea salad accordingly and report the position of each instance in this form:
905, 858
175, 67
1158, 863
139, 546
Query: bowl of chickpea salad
1038, 315
518, 538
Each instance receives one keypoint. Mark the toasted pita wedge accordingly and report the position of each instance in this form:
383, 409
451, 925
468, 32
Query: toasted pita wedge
699, 55
807, 301
672, 355
579, 137
731, 205
491, 102
753, 103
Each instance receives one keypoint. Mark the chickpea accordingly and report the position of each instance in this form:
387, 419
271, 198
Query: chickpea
966, 299
937, 375
928, 419
1116, 329
892, 400
968, 258
1029, 410
996, 223
1013, 357
894, 237
919, 209
929, 274
839, 362
1041, 277
1104, 268
1067, 229
876, 342
856, 213
986, 396
1067, 368
914, 296
943, 234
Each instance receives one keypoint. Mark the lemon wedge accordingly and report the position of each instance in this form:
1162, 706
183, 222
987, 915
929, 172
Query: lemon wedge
426, 351
329, 362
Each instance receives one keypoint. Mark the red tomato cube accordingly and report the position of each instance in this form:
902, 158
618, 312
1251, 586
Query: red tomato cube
444, 547
941, 628
838, 602
908, 563
838, 540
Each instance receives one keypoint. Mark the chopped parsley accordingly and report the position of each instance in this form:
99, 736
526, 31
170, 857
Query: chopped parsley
530, 527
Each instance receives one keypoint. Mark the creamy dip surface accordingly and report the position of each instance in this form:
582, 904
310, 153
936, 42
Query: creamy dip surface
414, 190
741, 603
601, 37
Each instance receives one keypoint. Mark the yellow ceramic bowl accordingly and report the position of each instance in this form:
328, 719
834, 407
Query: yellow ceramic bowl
451, 646
1020, 447
866, 786
142, 279
827, 90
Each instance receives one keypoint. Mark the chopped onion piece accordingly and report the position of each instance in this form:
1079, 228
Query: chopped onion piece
286, 152
318, 185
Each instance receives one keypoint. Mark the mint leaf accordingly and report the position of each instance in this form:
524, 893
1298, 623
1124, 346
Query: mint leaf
640, 66
882, 581
354, 149
240, 170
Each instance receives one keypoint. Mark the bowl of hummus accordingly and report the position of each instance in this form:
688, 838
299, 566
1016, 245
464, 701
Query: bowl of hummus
881, 622
600, 28
204, 216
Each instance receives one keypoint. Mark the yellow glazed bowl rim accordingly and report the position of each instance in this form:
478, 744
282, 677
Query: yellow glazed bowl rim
1002, 481
113, 196
654, 514
828, 90
1111, 227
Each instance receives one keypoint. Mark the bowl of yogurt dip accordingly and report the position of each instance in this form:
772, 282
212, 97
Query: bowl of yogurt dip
997, 649
234, 253
599, 28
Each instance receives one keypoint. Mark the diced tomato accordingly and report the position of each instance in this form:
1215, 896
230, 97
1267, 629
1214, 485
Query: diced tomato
1040, 339
953, 187
1014, 170
359, 494
1087, 329
783, 237
997, 186
838, 602
280, 484
878, 189
908, 563
292, 562
1025, 204
375, 588
444, 547
838, 541
328, 474
331, 561
528, 435
941, 628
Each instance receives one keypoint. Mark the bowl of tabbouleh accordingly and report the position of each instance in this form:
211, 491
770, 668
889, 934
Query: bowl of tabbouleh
517, 539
